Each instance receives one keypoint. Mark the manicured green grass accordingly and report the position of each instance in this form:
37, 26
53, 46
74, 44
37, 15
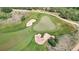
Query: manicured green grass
44, 25
19, 37
61, 27
20, 40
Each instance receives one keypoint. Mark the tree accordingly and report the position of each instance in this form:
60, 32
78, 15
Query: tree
23, 18
52, 41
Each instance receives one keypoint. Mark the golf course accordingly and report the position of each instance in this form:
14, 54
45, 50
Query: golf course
16, 36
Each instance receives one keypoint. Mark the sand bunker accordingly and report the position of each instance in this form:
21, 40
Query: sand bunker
41, 40
29, 23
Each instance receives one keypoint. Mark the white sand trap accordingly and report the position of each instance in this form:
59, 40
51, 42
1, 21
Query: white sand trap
46, 36
29, 23
45, 24
41, 40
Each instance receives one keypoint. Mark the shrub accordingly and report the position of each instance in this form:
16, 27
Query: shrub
52, 41
6, 10
68, 13
4, 15
23, 18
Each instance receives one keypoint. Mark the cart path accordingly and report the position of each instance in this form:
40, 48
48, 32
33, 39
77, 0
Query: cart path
40, 11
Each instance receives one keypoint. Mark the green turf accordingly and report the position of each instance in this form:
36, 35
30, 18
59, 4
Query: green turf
44, 25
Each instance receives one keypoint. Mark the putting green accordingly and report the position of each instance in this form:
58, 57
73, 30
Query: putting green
45, 24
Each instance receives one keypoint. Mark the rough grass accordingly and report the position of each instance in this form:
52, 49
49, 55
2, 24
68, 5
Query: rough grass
4, 16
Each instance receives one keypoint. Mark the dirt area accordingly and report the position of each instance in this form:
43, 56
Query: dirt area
66, 42
15, 17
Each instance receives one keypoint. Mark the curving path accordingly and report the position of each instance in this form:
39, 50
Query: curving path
40, 11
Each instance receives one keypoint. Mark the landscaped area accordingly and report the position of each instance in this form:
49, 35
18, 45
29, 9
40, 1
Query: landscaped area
15, 35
